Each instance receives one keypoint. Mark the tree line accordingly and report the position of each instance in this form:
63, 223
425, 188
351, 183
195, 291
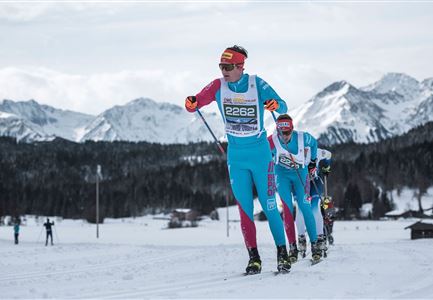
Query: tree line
58, 177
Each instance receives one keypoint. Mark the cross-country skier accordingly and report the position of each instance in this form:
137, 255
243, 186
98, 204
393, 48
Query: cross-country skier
49, 231
289, 147
328, 212
16, 230
242, 99
323, 164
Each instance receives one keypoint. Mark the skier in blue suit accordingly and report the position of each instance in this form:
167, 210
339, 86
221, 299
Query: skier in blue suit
323, 165
242, 100
291, 149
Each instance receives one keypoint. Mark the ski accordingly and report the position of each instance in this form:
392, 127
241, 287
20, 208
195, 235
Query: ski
276, 273
251, 273
282, 272
315, 261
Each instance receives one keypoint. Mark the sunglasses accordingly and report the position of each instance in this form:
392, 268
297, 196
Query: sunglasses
286, 132
227, 67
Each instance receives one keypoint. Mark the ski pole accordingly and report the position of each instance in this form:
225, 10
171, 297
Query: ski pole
225, 155
40, 234
211, 132
57, 237
326, 185
291, 157
317, 190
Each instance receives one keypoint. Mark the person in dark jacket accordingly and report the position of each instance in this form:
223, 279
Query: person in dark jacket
49, 231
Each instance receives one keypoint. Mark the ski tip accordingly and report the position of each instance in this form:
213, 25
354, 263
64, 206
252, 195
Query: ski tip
281, 272
251, 273
315, 261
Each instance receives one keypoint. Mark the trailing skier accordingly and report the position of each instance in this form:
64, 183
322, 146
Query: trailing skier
328, 212
292, 168
323, 165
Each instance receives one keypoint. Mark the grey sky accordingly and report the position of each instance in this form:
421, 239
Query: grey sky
89, 57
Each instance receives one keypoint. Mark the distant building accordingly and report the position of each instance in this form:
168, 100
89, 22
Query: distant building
183, 218
397, 214
421, 230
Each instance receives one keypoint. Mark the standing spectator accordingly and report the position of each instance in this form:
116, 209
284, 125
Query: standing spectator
16, 230
49, 231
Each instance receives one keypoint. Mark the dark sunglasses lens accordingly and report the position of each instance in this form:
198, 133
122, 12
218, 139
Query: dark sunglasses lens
286, 132
227, 67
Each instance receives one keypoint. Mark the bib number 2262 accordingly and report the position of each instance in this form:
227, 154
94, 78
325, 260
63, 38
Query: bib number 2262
240, 111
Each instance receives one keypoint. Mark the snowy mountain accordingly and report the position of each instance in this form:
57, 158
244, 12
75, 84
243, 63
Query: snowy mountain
146, 120
30, 121
340, 113
139, 120
391, 106
404, 85
12, 125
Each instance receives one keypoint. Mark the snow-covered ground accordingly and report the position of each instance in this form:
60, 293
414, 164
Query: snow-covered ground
139, 258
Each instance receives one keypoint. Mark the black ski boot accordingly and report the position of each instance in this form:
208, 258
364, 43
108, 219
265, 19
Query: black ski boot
316, 253
322, 244
255, 264
283, 260
302, 241
328, 231
293, 253
330, 239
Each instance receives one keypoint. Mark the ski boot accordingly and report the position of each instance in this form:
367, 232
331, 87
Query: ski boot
316, 252
302, 241
255, 264
322, 244
330, 239
328, 232
293, 253
283, 260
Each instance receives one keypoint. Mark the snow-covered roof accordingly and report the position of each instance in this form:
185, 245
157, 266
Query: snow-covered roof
397, 212
422, 224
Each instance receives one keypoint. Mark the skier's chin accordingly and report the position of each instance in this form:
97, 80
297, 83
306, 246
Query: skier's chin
229, 78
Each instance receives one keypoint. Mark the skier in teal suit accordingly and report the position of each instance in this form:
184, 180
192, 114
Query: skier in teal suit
242, 100
292, 151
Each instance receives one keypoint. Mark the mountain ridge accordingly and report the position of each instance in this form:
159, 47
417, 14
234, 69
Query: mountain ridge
340, 113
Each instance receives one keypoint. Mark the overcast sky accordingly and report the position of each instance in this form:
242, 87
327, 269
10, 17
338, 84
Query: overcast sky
88, 57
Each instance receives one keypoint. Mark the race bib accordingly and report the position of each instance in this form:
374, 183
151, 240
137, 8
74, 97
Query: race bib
286, 162
241, 120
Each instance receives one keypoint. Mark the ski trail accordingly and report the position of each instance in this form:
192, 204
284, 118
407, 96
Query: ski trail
362, 264
93, 267
190, 286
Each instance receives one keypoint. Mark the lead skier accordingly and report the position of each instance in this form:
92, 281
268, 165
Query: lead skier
242, 99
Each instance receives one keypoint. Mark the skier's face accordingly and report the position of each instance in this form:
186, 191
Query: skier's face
231, 72
286, 135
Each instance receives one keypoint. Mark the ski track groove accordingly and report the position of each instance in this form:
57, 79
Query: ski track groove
424, 282
95, 267
196, 285
192, 286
